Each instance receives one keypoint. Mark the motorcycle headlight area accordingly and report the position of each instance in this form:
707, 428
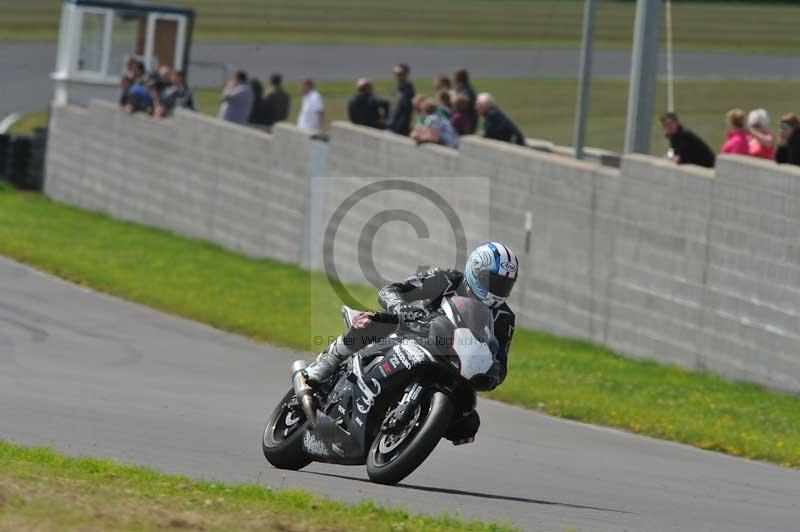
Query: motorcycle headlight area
476, 356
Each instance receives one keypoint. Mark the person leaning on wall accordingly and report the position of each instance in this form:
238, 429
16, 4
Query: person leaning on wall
761, 140
496, 125
736, 143
686, 147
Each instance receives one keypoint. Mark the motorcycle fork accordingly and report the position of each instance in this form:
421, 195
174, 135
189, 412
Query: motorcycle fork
405, 409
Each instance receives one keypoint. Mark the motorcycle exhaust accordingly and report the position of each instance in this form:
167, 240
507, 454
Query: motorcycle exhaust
304, 393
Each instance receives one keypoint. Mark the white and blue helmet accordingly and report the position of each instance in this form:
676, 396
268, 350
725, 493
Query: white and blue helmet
491, 272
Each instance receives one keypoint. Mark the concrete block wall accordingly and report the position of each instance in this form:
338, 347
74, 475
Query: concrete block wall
679, 264
751, 309
194, 175
657, 221
360, 157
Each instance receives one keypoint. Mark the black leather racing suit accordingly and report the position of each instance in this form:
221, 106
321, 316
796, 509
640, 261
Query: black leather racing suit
430, 287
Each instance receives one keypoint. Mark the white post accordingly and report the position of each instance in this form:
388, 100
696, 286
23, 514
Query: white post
644, 63
670, 65
584, 77
150, 36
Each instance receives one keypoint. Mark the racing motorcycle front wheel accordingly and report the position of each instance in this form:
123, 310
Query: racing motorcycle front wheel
395, 453
282, 442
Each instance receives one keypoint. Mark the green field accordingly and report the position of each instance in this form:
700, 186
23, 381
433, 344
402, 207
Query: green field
41, 490
272, 302
697, 26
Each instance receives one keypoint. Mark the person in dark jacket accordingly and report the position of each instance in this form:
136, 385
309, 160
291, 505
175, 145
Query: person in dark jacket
460, 117
275, 105
489, 275
366, 109
687, 148
178, 94
789, 141
400, 119
257, 111
497, 125
463, 87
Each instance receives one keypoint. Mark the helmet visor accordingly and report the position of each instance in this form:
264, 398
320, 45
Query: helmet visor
498, 285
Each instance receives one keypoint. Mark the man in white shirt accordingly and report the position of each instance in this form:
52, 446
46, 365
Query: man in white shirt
312, 111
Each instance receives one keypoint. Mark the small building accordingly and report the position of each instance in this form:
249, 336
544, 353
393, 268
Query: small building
98, 38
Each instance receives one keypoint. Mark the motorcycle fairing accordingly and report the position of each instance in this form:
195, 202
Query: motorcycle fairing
359, 399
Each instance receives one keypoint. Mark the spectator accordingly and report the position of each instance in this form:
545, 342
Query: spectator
442, 83
256, 116
129, 66
366, 109
258, 94
761, 140
686, 147
237, 99
737, 134
461, 79
445, 107
459, 118
789, 141
178, 94
435, 129
312, 110
400, 119
276, 102
416, 104
496, 125
137, 72
125, 84
138, 99
163, 79
153, 89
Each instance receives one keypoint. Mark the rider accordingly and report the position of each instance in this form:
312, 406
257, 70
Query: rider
490, 273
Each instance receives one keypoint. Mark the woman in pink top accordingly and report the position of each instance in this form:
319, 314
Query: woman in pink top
737, 134
761, 139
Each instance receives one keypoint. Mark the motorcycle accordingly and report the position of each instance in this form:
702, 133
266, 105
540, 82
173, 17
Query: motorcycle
391, 402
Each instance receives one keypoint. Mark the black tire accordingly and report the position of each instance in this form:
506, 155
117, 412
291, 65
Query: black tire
436, 412
281, 449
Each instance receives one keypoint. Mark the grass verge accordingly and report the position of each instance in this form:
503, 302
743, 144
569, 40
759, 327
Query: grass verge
42, 490
544, 108
29, 122
267, 301
735, 26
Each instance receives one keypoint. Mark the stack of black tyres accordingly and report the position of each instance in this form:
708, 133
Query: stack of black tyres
22, 159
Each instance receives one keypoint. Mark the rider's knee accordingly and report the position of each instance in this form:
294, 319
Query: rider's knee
464, 428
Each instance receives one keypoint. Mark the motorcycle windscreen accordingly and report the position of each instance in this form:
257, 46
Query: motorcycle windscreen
472, 314
475, 355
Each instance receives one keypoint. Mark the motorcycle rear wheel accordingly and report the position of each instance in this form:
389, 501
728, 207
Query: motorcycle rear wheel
282, 441
394, 456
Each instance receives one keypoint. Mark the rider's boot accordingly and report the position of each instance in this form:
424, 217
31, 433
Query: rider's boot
328, 361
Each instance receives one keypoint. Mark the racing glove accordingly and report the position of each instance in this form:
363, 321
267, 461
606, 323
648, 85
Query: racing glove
409, 313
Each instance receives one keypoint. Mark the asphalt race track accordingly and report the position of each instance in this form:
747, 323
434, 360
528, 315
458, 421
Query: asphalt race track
25, 67
93, 375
